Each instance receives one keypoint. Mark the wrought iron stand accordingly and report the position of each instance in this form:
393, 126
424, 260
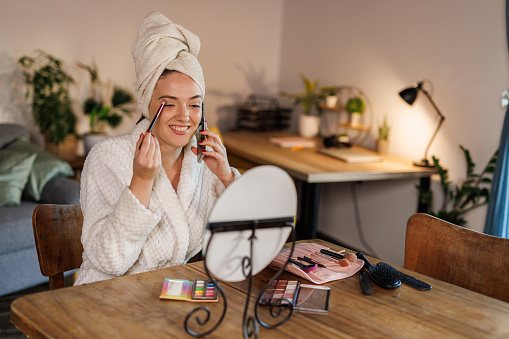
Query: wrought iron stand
202, 315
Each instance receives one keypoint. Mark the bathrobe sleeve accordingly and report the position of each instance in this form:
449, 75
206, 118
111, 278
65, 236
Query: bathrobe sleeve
116, 224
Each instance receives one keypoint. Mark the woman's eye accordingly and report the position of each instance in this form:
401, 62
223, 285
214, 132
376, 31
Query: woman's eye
169, 105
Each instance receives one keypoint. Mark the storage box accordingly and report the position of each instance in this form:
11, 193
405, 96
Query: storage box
262, 113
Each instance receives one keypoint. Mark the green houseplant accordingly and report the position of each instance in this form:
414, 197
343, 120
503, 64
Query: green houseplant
382, 143
472, 193
310, 98
309, 122
331, 96
48, 89
356, 107
102, 108
384, 130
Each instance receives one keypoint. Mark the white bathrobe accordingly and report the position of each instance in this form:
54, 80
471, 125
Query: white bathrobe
120, 236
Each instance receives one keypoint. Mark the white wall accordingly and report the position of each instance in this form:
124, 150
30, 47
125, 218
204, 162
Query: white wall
383, 47
240, 50
262, 47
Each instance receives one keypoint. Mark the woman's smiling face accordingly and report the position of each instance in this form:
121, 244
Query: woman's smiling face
181, 115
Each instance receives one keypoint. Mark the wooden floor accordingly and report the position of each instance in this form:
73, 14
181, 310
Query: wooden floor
7, 329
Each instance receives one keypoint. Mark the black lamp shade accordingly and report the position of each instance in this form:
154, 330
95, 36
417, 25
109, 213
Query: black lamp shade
409, 95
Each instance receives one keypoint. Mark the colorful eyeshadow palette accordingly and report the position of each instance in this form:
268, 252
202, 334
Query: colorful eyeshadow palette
278, 291
187, 290
204, 290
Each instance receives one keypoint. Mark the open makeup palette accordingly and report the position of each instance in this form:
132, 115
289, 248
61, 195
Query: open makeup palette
306, 298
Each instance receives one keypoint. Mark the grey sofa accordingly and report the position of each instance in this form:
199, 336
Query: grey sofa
19, 266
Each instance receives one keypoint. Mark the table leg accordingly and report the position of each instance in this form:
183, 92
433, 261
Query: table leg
308, 210
422, 207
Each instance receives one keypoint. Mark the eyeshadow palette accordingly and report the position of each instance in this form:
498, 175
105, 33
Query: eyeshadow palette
305, 298
187, 290
278, 291
204, 290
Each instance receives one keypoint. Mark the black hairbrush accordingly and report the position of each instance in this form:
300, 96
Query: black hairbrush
382, 274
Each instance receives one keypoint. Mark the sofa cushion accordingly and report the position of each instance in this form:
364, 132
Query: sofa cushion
61, 190
11, 132
19, 270
15, 168
46, 167
16, 230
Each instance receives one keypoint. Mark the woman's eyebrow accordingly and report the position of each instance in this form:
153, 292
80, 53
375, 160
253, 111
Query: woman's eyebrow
175, 98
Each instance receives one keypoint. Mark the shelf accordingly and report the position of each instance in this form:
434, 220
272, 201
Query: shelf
335, 108
357, 127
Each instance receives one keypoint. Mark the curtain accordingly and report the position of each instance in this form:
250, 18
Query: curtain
497, 218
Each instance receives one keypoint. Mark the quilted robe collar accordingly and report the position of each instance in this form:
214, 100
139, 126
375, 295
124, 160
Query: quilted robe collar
189, 182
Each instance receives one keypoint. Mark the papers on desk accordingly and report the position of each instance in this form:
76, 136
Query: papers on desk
351, 155
293, 142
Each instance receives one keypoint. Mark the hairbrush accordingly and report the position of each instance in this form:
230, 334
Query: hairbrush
382, 274
402, 277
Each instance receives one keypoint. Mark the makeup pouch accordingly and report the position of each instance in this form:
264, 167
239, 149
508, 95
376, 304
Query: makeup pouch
332, 270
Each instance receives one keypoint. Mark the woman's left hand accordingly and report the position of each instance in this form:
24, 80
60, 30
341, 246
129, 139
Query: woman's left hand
216, 160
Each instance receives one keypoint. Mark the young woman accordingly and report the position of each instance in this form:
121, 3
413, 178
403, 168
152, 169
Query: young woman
145, 198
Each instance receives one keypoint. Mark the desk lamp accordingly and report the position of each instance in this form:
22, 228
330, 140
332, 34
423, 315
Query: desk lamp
409, 95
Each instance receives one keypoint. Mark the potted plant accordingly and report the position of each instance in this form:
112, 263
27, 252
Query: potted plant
104, 110
382, 143
331, 97
458, 199
356, 107
48, 89
309, 122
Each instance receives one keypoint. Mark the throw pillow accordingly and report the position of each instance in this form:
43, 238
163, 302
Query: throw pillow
46, 167
15, 169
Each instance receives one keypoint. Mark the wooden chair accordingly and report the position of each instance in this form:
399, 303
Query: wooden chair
57, 234
457, 255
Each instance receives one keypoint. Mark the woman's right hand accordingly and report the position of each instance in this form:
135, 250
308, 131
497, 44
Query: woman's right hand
147, 158
146, 165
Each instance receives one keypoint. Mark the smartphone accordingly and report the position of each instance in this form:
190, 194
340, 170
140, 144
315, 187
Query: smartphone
199, 136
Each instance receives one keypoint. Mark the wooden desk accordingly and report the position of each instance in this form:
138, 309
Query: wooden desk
310, 169
129, 307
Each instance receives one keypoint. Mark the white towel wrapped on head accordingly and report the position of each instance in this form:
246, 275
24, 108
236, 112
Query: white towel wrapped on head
162, 44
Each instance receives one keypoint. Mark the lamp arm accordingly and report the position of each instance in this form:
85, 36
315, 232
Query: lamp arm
442, 118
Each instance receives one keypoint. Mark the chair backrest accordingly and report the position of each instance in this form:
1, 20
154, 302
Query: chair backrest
457, 255
57, 234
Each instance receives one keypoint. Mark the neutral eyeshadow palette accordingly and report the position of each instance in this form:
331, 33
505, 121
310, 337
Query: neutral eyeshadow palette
280, 291
304, 298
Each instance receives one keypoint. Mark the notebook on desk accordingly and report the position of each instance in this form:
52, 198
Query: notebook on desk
350, 155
